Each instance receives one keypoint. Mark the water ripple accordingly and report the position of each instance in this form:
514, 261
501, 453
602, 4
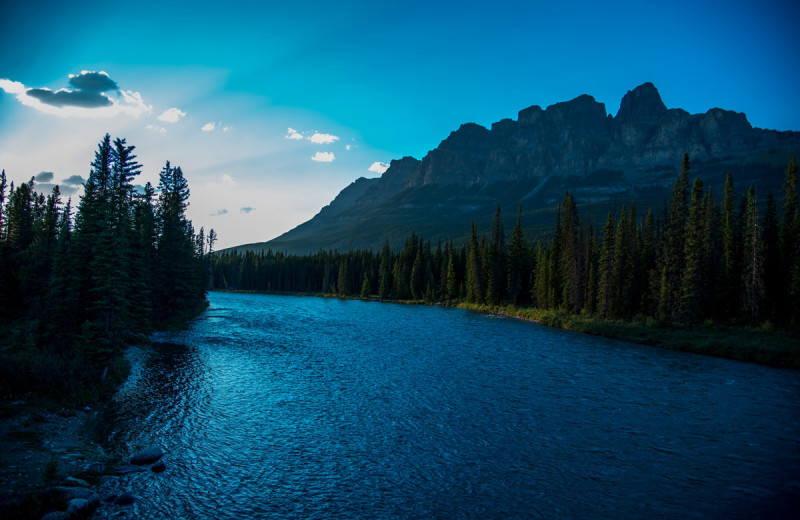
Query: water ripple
287, 407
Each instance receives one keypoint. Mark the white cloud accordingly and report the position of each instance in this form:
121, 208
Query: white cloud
227, 180
293, 134
226, 128
156, 128
323, 157
378, 167
348, 147
172, 115
208, 127
117, 102
319, 138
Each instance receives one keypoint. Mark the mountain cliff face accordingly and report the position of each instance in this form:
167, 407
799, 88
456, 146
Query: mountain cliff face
572, 145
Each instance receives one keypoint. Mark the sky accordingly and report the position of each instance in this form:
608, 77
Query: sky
272, 108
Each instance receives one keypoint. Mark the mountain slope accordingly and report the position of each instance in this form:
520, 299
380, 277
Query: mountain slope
606, 161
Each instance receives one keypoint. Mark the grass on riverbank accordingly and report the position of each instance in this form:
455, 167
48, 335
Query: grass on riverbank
764, 345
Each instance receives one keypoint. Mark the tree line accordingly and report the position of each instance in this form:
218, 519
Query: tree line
701, 258
75, 287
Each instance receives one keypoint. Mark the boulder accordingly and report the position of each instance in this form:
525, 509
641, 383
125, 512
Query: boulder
78, 507
111, 497
96, 468
56, 515
108, 481
158, 467
126, 499
70, 493
148, 455
130, 468
75, 482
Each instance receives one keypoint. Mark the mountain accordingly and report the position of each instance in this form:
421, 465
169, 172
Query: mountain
604, 160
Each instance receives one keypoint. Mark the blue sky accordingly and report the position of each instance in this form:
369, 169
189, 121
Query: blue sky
215, 87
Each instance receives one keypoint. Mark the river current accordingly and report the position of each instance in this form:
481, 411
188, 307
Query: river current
297, 407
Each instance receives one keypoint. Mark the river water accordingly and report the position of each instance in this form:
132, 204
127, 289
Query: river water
294, 407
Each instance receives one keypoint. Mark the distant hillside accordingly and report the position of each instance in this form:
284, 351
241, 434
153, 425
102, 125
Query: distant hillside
576, 145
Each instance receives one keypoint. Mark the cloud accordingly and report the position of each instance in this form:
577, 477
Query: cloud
44, 177
208, 127
348, 147
219, 213
247, 209
70, 98
293, 134
318, 138
74, 180
226, 128
92, 81
156, 128
378, 167
94, 94
323, 157
227, 180
171, 115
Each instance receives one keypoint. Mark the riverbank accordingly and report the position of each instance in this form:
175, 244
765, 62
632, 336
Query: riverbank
763, 345
48, 422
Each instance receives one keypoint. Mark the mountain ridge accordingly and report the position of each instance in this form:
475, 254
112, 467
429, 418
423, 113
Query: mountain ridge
572, 145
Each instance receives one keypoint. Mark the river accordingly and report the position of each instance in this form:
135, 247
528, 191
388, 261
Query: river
297, 407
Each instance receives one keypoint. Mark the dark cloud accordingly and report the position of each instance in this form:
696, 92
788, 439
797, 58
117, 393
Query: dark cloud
74, 180
247, 209
93, 82
46, 188
220, 213
44, 177
74, 98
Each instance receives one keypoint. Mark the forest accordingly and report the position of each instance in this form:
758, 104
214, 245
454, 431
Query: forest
704, 257
76, 288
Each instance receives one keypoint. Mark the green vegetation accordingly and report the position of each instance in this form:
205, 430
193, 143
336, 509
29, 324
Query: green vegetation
658, 280
75, 289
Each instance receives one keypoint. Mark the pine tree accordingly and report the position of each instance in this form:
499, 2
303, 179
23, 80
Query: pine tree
474, 284
496, 262
343, 281
790, 244
753, 265
385, 272
517, 270
605, 270
417, 281
773, 282
672, 252
694, 249
570, 269
730, 277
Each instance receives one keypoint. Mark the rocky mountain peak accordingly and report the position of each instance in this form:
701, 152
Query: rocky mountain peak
641, 105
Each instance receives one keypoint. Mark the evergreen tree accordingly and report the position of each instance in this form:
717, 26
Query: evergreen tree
605, 269
343, 282
790, 245
753, 266
730, 277
385, 272
692, 279
417, 277
672, 251
517, 268
496, 269
474, 284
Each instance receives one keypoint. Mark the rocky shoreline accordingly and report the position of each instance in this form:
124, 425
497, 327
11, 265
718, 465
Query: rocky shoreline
51, 465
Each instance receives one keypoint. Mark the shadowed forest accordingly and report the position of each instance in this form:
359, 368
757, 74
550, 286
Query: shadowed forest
75, 289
